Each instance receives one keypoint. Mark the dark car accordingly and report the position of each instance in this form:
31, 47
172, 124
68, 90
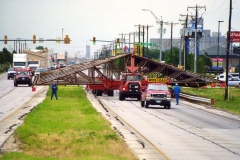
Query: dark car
11, 72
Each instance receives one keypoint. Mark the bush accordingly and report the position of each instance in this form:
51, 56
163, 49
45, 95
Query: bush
4, 67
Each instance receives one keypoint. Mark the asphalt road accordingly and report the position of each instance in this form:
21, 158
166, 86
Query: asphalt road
186, 131
15, 103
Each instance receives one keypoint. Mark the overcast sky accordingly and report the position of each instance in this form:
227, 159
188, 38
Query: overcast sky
104, 19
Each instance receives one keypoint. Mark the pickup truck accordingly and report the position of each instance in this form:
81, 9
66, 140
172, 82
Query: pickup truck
22, 76
156, 94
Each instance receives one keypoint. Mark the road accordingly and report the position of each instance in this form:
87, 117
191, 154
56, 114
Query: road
186, 131
15, 103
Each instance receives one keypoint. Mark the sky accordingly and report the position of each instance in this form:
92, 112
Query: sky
106, 20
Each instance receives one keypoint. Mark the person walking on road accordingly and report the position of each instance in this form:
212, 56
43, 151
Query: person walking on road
54, 90
176, 91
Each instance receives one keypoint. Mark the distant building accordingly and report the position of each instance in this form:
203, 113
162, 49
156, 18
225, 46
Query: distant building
87, 51
207, 43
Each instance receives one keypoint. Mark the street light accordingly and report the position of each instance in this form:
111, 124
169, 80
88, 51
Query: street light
161, 26
218, 45
62, 35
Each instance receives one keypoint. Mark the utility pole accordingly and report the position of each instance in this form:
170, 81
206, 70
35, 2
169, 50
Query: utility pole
139, 36
186, 39
196, 38
122, 39
218, 47
171, 41
227, 52
147, 39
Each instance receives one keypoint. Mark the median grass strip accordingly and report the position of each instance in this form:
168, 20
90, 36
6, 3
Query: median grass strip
68, 128
232, 105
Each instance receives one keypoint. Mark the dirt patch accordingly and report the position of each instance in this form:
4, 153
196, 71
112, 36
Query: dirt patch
11, 145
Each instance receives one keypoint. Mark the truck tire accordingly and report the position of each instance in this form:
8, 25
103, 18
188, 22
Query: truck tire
147, 104
139, 98
142, 103
121, 96
93, 92
98, 92
169, 106
110, 92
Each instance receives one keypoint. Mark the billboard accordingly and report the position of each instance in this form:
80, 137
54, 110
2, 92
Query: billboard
235, 36
214, 63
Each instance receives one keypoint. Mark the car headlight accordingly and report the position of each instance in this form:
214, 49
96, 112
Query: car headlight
124, 89
148, 95
168, 96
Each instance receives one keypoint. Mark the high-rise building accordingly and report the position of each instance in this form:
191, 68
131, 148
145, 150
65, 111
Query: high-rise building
87, 51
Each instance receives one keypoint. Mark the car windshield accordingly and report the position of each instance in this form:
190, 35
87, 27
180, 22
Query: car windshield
41, 69
11, 69
157, 87
21, 73
133, 77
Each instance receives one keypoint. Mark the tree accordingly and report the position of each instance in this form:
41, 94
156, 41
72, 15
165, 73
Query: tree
203, 62
152, 53
5, 56
175, 56
40, 47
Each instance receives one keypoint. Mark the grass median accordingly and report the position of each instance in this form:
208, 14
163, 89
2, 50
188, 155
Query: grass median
68, 128
232, 105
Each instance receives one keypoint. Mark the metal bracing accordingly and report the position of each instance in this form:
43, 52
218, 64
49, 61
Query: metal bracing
89, 72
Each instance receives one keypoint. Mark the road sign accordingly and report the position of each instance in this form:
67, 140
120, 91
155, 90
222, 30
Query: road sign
146, 44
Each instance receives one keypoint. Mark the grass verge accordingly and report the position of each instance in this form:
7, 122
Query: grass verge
68, 128
232, 105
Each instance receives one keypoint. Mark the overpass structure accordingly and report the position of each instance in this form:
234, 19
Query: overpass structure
94, 72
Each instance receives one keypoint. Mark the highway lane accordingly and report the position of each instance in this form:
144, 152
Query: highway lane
186, 131
15, 102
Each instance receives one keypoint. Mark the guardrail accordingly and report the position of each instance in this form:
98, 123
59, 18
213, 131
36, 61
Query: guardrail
207, 101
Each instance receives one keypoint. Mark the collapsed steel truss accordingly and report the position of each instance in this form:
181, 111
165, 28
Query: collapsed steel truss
90, 72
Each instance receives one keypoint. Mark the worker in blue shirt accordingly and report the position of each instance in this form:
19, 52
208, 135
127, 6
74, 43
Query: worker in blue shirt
54, 90
176, 91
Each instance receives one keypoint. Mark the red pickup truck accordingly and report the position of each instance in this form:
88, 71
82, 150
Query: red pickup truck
156, 94
22, 76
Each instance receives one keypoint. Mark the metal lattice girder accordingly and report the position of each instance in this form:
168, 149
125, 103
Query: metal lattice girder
66, 72
115, 70
176, 74
74, 75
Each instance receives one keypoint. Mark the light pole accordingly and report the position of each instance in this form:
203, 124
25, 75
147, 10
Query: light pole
62, 35
218, 45
161, 26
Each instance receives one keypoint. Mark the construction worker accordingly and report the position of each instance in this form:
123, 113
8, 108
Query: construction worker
176, 91
54, 90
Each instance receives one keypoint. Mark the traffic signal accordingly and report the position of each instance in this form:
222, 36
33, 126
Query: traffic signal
34, 39
66, 40
5, 39
118, 42
94, 40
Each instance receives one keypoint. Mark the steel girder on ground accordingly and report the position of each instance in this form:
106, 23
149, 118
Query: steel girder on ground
90, 72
